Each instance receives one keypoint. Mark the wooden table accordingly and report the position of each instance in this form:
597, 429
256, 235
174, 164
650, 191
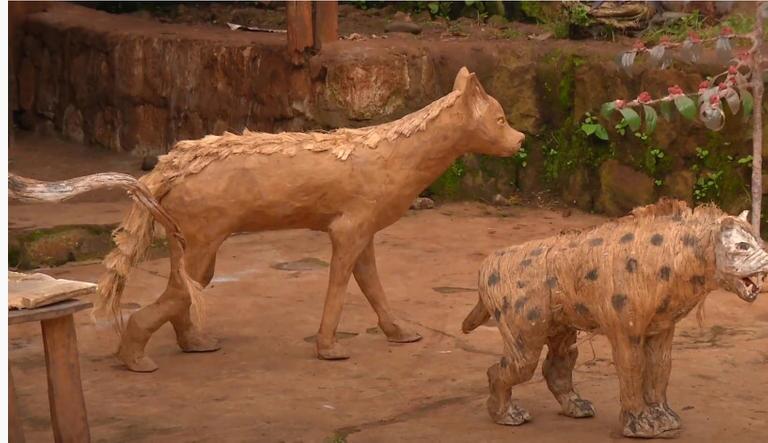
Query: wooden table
65, 391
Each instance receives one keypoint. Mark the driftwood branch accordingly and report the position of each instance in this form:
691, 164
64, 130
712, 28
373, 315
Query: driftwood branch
36, 191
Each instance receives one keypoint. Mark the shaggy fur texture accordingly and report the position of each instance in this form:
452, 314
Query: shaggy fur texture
631, 280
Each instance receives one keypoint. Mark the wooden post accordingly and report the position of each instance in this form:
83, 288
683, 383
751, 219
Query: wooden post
65, 391
757, 117
326, 22
15, 430
300, 32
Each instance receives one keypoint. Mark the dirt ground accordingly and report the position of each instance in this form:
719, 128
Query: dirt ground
265, 304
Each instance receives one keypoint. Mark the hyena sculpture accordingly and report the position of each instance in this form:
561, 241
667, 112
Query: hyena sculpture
630, 280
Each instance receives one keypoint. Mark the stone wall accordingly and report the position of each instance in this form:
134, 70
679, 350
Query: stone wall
133, 85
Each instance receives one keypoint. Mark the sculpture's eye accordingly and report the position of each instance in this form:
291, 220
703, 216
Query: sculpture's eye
744, 246
501, 120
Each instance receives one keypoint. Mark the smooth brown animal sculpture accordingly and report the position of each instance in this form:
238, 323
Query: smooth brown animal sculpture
630, 280
349, 182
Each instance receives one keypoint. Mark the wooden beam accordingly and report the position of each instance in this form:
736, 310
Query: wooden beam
300, 32
326, 22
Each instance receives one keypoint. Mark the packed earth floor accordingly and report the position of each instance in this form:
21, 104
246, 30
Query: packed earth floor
264, 304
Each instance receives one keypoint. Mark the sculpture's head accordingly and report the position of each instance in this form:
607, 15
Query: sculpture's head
742, 263
486, 122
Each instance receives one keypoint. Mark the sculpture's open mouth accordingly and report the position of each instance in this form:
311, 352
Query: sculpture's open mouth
751, 287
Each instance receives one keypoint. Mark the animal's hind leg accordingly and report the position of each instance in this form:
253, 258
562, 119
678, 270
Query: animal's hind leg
558, 371
368, 279
200, 263
143, 323
502, 376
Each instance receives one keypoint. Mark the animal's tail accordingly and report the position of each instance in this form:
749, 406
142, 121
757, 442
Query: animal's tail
476, 317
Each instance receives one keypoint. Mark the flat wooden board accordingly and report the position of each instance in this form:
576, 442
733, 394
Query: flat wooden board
60, 309
29, 291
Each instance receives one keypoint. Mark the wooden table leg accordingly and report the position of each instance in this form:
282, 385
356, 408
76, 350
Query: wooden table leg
65, 391
15, 430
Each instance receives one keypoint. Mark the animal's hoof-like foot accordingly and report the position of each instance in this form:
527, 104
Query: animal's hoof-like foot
333, 352
514, 416
138, 364
398, 334
578, 408
657, 421
199, 343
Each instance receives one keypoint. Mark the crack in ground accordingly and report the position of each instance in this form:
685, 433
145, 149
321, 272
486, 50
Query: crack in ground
416, 412
458, 342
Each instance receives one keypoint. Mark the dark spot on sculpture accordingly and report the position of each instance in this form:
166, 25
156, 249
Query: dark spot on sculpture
520, 284
698, 280
494, 278
677, 217
631, 265
657, 239
591, 275
572, 244
536, 252
626, 238
664, 305
634, 339
689, 240
596, 242
497, 314
618, 301
520, 304
500, 253
665, 272
534, 314
581, 309
505, 305
525, 263
551, 282
504, 361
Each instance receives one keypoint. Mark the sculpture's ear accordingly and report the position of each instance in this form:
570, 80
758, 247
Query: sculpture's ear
461, 79
743, 216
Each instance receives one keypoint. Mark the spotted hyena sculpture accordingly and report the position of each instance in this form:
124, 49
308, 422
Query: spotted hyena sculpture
630, 280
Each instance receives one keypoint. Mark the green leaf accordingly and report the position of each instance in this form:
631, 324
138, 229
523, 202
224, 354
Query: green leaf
666, 110
650, 119
434, 7
589, 128
601, 133
632, 118
686, 106
747, 103
607, 109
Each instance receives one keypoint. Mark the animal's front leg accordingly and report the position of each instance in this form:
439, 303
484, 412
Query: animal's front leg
637, 418
658, 365
368, 278
348, 240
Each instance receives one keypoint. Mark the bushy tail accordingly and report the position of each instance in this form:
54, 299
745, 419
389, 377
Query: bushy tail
133, 239
476, 317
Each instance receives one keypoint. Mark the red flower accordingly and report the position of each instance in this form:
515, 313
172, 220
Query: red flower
732, 70
722, 86
704, 85
619, 103
694, 37
639, 46
675, 90
727, 31
664, 40
714, 101
644, 97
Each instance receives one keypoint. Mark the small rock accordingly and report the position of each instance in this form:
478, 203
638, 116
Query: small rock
500, 200
399, 26
149, 162
498, 21
423, 203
